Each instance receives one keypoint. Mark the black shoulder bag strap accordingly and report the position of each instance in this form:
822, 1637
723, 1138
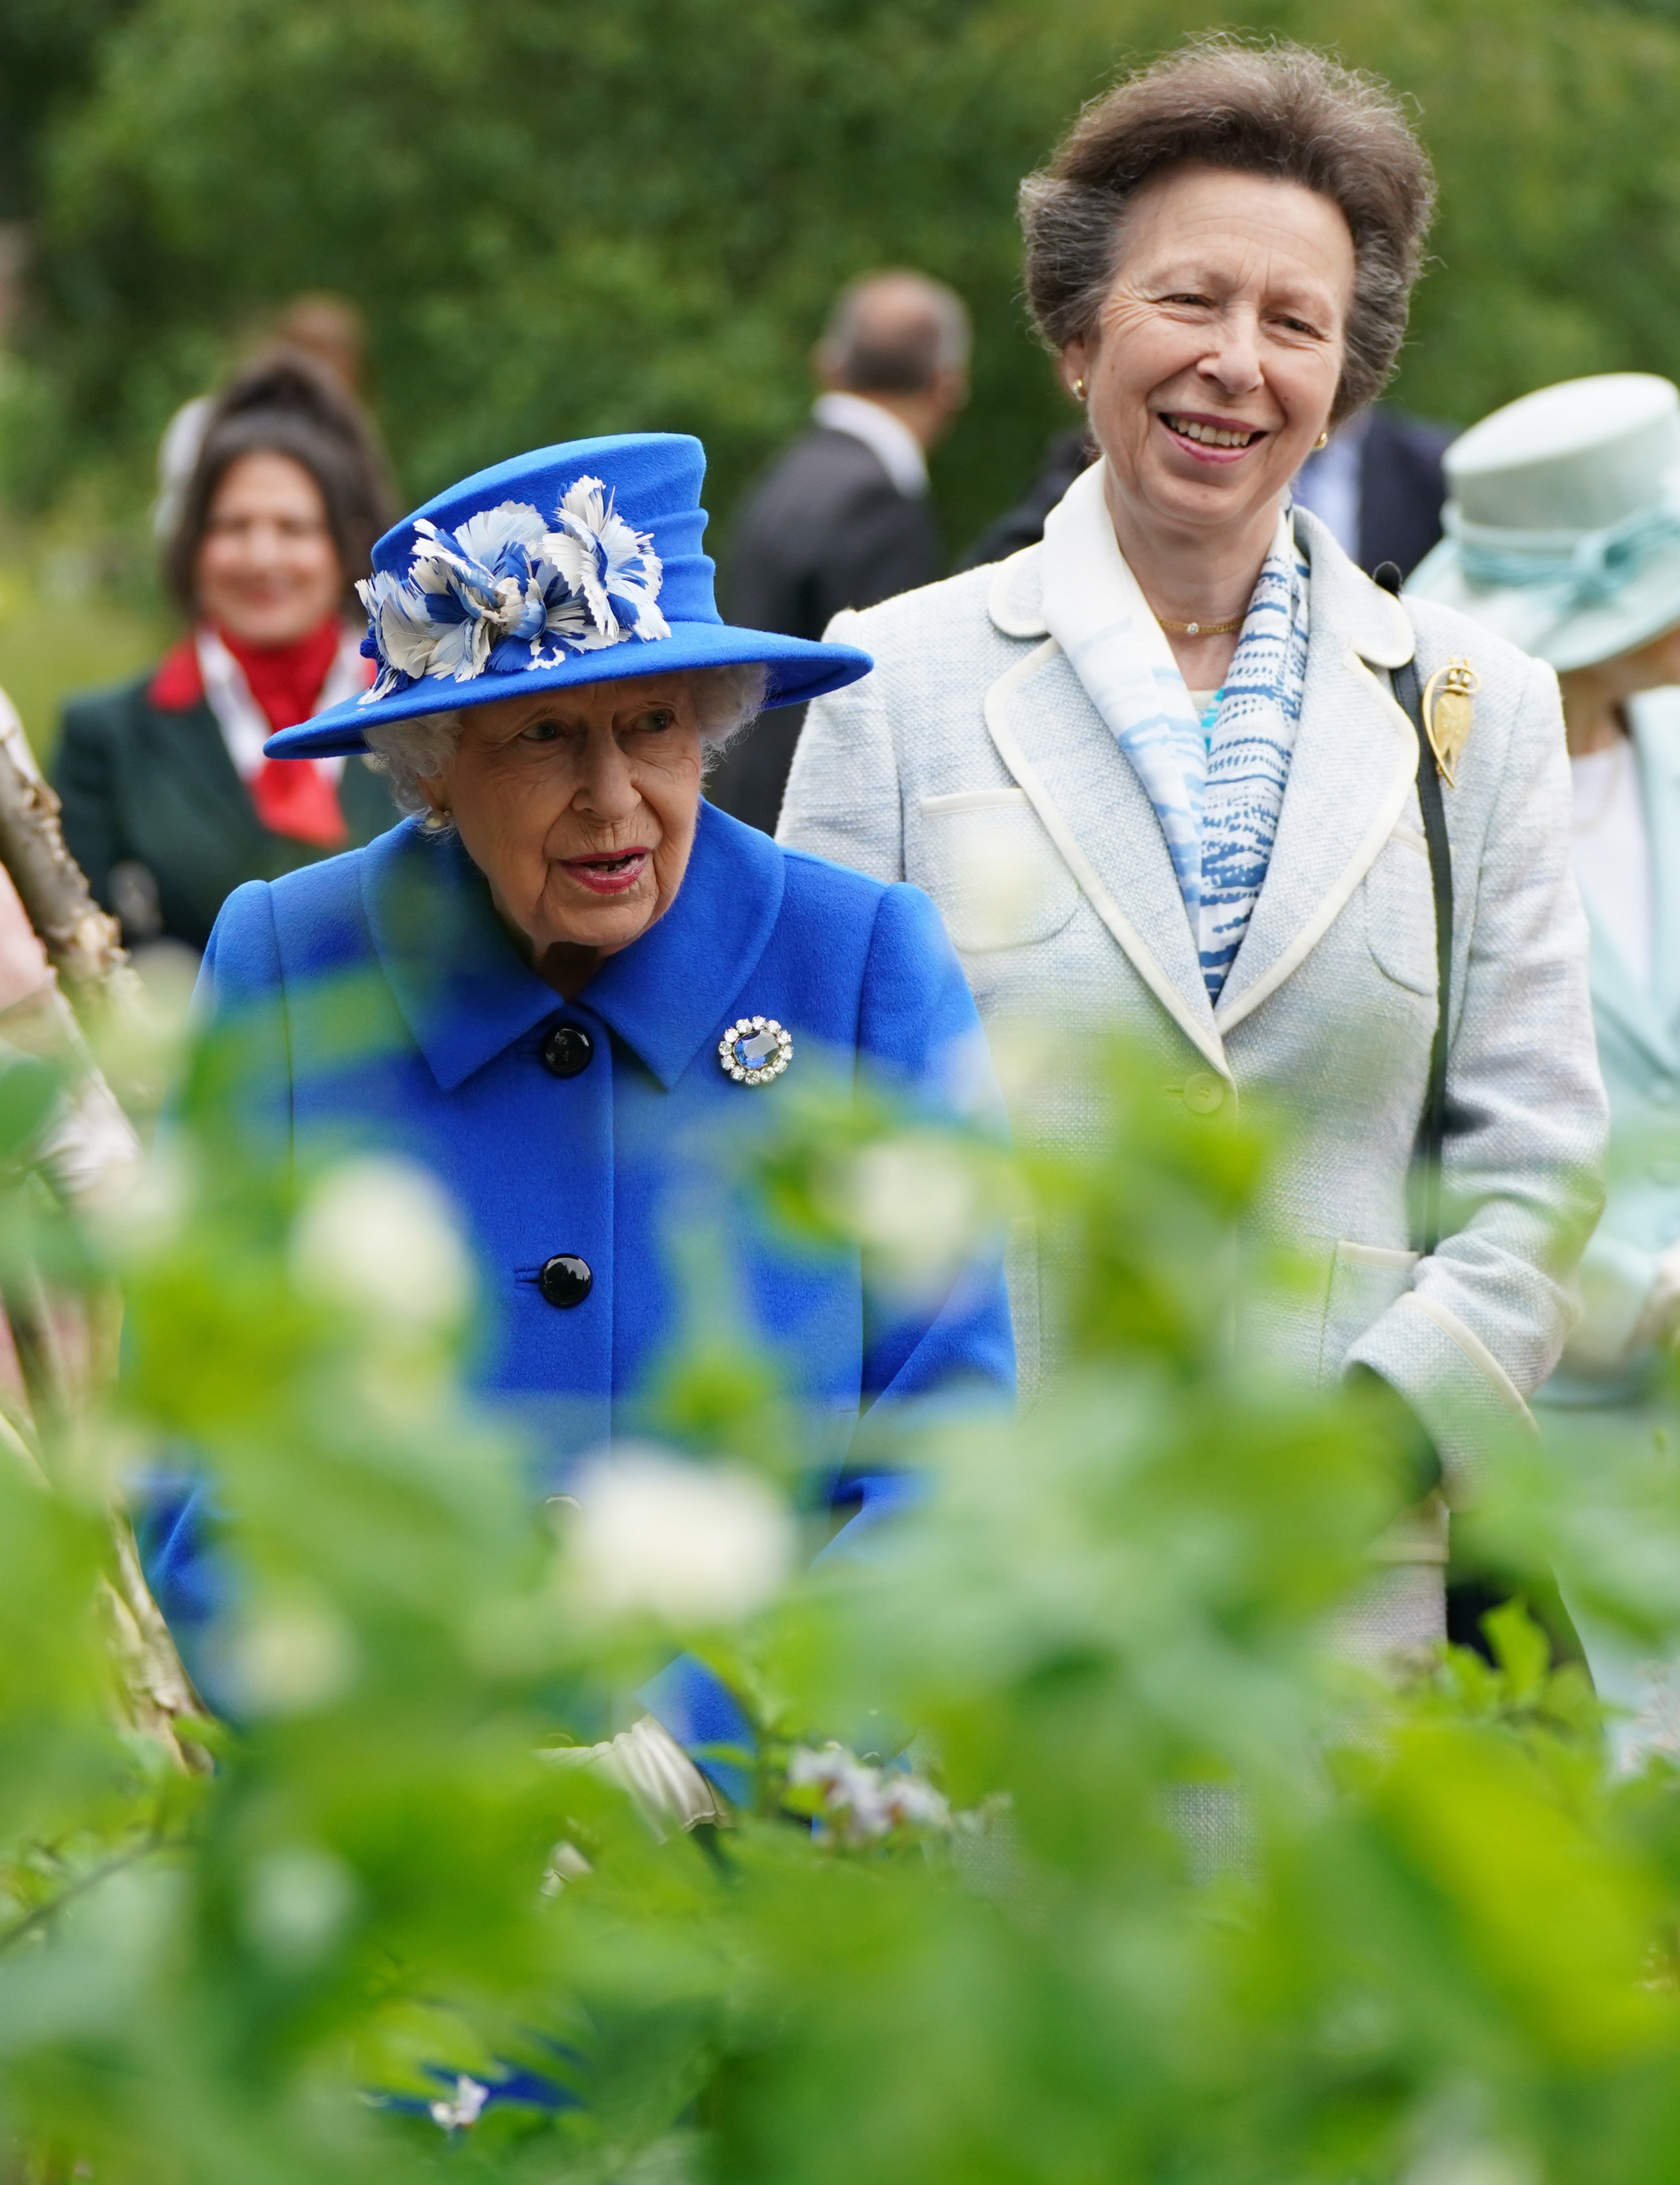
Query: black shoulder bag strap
1473, 1587
1432, 1128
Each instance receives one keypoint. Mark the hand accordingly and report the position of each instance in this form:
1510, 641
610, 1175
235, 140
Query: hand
1418, 1464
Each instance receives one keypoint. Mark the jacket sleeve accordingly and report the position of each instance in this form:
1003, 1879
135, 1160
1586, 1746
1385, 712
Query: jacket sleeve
1616, 1283
881, 543
945, 1332
843, 799
242, 1025
1527, 1122
241, 963
240, 1065
84, 779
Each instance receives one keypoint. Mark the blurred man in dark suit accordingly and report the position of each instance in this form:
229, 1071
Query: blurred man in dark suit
1023, 525
841, 518
1379, 486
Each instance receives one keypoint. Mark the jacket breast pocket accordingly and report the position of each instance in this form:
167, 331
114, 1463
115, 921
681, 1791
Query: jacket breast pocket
993, 871
1399, 904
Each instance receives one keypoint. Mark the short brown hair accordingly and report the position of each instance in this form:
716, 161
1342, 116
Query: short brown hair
1280, 110
286, 404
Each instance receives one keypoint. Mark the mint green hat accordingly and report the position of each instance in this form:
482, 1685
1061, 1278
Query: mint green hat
1563, 520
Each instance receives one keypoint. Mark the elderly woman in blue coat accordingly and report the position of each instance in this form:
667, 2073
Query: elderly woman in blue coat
578, 984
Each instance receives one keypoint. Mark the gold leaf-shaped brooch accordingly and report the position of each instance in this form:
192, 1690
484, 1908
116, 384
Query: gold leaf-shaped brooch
1449, 714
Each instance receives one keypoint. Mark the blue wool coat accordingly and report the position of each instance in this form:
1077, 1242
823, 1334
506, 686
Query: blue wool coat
385, 1006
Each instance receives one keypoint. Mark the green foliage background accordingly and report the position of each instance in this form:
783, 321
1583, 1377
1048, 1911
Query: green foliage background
564, 219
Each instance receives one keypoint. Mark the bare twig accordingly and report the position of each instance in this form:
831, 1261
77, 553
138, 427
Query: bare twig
84, 947
33, 1921
83, 942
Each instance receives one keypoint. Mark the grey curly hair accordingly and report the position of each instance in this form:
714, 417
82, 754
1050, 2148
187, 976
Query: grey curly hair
727, 701
1280, 110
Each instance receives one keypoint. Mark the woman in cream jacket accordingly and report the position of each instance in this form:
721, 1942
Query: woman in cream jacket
1154, 774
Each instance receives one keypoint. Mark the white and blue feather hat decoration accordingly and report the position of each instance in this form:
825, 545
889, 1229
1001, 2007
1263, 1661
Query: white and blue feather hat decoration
579, 563
1563, 522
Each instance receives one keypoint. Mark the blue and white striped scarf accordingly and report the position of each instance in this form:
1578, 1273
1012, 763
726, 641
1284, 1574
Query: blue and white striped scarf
1218, 796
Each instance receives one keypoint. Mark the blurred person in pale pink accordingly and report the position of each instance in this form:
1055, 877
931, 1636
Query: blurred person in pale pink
169, 801
81, 1144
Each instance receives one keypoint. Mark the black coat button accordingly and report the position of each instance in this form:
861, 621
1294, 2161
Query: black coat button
568, 1051
566, 1280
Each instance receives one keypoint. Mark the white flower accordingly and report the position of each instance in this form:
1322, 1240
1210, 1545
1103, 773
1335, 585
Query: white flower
377, 1236
484, 539
505, 592
1475, 2164
298, 1902
613, 567
692, 1544
290, 1656
484, 585
916, 1202
861, 1802
463, 2110
403, 630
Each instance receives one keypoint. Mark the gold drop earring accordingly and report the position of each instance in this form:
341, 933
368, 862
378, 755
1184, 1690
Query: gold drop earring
1322, 441
1079, 388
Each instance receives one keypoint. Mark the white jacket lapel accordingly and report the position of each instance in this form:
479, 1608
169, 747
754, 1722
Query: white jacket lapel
1062, 754
1353, 768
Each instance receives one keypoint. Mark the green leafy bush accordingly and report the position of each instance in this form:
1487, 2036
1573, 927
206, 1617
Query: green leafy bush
1078, 1847
563, 222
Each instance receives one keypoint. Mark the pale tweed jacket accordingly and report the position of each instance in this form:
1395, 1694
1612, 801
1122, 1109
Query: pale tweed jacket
972, 762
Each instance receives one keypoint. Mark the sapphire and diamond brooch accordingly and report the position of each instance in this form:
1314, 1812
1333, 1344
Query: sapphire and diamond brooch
754, 1050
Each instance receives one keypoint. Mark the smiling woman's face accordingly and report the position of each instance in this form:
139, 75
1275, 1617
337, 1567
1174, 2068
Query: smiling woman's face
579, 807
1215, 361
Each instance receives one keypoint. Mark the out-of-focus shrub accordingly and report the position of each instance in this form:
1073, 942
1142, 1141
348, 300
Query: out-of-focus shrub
1075, 1848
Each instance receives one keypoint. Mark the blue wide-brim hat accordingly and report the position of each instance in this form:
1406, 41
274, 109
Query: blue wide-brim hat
579, 563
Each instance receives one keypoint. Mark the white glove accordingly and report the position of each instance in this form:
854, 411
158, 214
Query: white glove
669, 1790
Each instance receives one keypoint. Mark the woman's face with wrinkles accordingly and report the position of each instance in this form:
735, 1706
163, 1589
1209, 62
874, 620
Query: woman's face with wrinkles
579, 807
1215, 358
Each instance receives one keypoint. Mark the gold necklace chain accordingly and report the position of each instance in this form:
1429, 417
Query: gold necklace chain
1204, 629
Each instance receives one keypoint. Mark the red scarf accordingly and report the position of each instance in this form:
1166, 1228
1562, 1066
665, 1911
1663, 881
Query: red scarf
293, 796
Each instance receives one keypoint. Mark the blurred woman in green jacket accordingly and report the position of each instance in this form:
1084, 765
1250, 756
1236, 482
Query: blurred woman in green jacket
168, 804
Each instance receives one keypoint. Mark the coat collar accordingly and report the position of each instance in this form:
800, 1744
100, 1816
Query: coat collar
1015, 597
1355, 764
1089, 797
466, 995
1372, 623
